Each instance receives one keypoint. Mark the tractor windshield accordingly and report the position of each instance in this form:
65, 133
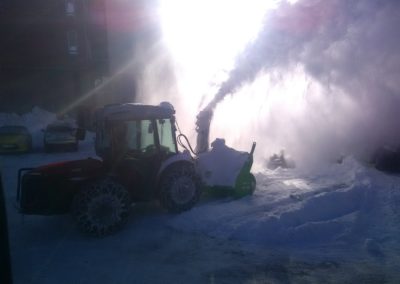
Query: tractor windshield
166, 135
140, 135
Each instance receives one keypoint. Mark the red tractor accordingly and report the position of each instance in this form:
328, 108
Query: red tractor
140, 162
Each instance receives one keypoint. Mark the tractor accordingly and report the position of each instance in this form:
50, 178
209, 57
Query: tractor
139, 161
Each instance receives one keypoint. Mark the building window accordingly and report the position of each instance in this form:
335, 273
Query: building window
72, 39
70, 7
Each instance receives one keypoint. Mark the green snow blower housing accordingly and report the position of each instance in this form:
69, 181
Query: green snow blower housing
224, 171
246, 182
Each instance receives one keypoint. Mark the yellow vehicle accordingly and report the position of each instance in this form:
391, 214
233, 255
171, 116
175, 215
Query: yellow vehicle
15, 139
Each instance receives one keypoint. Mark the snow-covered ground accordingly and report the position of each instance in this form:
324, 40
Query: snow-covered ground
337, 224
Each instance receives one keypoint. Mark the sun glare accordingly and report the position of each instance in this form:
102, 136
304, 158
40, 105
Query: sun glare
209, 30
205, 36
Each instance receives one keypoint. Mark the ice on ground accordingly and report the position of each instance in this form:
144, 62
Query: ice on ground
221, 165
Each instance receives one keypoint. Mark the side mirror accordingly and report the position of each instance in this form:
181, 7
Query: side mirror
80, 134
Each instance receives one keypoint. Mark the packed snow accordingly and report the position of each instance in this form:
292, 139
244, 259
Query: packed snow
337, 224
290, 207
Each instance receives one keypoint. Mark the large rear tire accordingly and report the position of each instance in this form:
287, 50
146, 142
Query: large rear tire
179, 188
101, 207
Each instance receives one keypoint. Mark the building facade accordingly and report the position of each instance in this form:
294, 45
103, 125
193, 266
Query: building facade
61, 54
51, 53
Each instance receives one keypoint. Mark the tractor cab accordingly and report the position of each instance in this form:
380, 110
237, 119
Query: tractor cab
134, 141
135, 130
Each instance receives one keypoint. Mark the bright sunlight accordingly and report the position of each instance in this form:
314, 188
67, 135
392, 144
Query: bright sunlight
205, 36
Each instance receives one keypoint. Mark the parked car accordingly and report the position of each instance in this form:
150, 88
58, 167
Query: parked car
15, 139
60, 137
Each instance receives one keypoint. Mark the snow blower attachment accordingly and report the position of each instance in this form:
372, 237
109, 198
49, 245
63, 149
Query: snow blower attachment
223, 170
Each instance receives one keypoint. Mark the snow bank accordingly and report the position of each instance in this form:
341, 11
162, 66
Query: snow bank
221, 165
37, 118
290, 207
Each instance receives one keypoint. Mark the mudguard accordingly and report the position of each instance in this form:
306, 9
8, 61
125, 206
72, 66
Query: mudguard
183, 156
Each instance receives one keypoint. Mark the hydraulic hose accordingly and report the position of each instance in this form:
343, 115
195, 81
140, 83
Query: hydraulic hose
186, 140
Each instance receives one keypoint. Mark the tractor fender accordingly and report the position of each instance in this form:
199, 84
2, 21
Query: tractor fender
180, 157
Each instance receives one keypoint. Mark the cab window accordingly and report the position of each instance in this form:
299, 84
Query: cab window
146, 134
166, 135
140, 134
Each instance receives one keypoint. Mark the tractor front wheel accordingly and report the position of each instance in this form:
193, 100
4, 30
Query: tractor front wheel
180, 188
101, 207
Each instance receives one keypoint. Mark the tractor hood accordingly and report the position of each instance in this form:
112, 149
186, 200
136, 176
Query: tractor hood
84, 167
49, 189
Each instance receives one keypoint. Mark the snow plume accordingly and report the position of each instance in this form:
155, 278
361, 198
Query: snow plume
321, 79
285, 31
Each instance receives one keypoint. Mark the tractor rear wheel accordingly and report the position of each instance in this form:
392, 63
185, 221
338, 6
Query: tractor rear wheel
101, 207
179, 188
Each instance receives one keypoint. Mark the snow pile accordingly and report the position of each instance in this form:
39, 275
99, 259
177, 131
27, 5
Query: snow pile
290, 207
36, 119
9, 119
221, 165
